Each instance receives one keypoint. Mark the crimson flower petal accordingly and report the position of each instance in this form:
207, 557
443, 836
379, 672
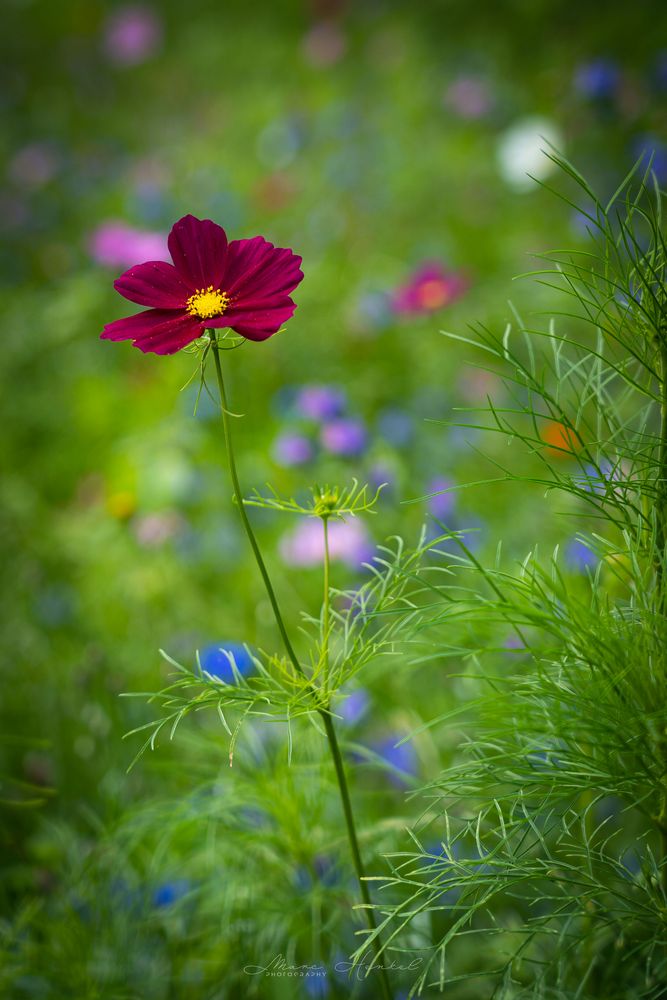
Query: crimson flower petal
154, 284
198, 248
263, 316
160, 331
256, 267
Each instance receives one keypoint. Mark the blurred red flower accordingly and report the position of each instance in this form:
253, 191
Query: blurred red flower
430, 288
244, 285
560, 441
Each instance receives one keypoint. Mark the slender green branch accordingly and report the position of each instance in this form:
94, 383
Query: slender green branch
326, 609
354, 847
326, 717
661, 539
661, 511
244, 516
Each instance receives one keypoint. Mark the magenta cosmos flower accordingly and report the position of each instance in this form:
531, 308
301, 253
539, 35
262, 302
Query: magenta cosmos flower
244, 285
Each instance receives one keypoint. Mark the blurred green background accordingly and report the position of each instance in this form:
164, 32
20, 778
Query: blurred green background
373, 138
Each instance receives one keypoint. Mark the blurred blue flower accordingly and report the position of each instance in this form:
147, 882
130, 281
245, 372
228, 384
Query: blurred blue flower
660, 70
595, 478
632, 863
396, 426
279, 142
292, 449
402, 758
215, 660
55, 605
345, 437
170, 892
578, 556
320, 402
372, 311
354, 706
654, 149
597, 80
316, 982
323, 871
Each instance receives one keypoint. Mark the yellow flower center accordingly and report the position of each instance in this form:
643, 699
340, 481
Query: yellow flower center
207, 303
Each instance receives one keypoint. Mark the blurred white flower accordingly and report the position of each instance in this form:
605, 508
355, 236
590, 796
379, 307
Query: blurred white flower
522, 151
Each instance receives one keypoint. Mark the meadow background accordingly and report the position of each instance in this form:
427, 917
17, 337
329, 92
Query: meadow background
373, 138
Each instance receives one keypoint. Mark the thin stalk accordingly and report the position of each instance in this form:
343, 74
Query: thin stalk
326, 717
244, 516
661, 538
661, 512
326, 610
354, 847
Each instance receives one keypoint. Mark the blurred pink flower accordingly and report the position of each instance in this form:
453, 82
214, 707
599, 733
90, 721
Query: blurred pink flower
430, 288
153, 530
324, 44
469, 97
114, 244
349, 543
132, 34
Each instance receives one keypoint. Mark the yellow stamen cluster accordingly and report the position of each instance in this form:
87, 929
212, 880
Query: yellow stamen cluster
207, 303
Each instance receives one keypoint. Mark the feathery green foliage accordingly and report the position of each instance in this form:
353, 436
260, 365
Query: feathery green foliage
547, 839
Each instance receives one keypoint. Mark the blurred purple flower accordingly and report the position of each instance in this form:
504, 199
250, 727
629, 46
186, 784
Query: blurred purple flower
320, 402
215, 660
349, 543
353, 708
578, 556
131, 35
442, 504
345, 436
430, 288
514, 643
469, 97
381, 474
292, 449
597, 80
33, 165
114, 244
402, 758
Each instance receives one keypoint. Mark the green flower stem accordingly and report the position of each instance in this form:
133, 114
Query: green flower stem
326, 609
325, 714
354, 848
661, 526
244, 516
661, 538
